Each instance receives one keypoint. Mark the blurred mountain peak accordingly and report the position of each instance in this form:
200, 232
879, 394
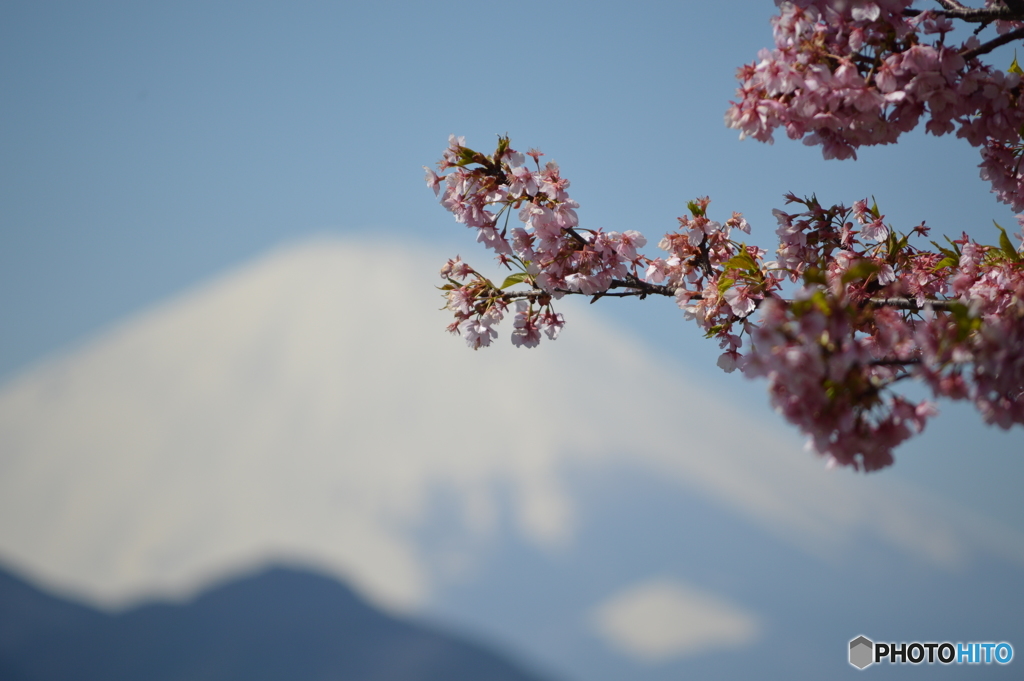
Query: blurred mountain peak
281, 622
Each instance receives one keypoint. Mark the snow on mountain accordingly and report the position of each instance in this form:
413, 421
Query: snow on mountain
309, 407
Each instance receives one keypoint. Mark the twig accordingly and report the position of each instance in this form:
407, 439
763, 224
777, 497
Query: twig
894, 362
911, 304
577, 237
642, 289
973, 14
647, 288
985, 48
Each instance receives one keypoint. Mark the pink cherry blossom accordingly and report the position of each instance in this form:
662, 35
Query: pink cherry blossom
849, 308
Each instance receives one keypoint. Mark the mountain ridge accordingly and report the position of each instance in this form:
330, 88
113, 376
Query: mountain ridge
280, 622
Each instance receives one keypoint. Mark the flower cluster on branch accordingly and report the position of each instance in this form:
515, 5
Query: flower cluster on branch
848, 74
848, 307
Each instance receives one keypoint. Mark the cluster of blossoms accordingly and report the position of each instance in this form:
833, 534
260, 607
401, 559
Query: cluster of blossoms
716, 281
478, 305
871, 310
849, 307
852, 73
547, 250
866, 308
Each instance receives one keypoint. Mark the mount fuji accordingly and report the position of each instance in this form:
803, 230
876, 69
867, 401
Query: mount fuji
592, 506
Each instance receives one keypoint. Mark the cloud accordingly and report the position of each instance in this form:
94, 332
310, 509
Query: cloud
661, 619
308, 405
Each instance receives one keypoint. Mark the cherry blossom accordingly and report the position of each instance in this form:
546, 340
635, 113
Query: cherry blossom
848, 308
847, 74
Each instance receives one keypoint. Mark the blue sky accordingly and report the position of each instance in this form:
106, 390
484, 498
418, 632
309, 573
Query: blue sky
146, 148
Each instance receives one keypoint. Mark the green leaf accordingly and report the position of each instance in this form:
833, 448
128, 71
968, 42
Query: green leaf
1014, 66
830, 390
895, 245
812, 275
696, 210
820, 301
948, 261
862, 269
742, 261
724, 284
1006, 245
946, 252
502, 146
713, 331
455, 284
467, 156
513, 279
965, 324
959, 310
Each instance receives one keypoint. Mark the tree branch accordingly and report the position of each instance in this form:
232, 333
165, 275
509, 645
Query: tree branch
639, 288
642, 289
955, 10
1016, 6
894, 362
911, 304
633, 282
985, 48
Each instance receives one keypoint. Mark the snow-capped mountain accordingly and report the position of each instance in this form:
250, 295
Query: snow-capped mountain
591, 503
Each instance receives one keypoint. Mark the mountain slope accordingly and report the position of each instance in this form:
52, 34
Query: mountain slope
283, 413
281, 623
275, 412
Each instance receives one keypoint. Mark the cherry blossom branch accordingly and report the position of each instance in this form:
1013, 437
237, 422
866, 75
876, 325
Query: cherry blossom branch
1015, 5
894, 362
1012, 11
863, 295
981, 15
580, 241
985, 48
644, 288
912, 304
641, 289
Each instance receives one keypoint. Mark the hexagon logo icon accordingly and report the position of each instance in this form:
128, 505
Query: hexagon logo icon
861, 652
